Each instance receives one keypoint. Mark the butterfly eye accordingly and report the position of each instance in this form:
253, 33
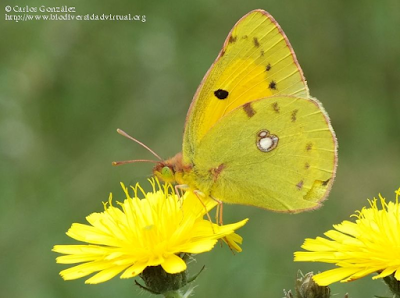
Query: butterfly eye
167, 173
164, 172
266, 142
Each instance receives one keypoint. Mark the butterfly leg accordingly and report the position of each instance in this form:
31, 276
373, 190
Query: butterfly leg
201, 195
184, 187
219, 219
220, 211
179, 191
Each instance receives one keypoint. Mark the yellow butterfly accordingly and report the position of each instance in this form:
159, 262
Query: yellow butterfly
253, 134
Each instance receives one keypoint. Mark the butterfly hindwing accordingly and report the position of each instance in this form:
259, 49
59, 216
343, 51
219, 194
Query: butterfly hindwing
255, 62
277, 153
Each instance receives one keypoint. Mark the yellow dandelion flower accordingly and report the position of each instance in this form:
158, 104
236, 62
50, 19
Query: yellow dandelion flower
370, 244
151, 231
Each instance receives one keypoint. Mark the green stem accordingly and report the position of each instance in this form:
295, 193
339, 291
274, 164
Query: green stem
173, 294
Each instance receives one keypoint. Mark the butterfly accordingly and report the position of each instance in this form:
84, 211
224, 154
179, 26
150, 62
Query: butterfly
253, 134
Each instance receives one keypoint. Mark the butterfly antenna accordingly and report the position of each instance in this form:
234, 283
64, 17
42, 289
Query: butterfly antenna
118, 163
123, 133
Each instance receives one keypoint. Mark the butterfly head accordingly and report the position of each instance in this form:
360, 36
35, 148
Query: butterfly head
164, 172
170, 170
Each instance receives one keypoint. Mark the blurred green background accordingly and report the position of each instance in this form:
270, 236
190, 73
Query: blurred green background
65, 86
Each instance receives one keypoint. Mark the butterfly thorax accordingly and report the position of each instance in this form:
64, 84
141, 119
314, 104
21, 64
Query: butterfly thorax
172, 170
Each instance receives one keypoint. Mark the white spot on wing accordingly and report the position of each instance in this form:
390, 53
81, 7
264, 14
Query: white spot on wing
263, 134
266, 142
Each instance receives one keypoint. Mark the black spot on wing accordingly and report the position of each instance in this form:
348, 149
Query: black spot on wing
256, 42
272, 85
221, 94
268, 68
294, 115
232, 39
276, 107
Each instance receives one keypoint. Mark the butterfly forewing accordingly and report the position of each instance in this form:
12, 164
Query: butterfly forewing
256, 61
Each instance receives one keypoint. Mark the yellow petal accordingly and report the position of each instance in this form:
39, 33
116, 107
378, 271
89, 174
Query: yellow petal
196, 247
134, 270
105, 275
333, 275
233, 240
397, 274
385, 272
173, 264
83, 270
